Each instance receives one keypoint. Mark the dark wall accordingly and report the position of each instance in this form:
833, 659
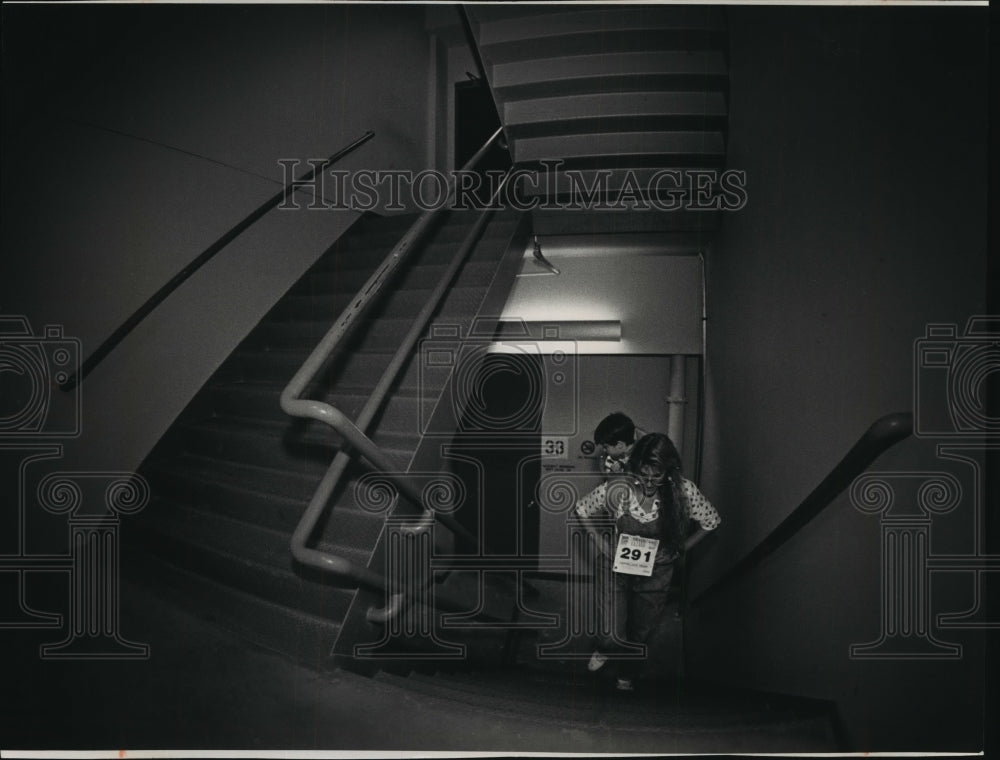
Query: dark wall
136, 136
863, 135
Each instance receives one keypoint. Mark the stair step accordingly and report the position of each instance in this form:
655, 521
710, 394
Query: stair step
295, 484
436, 246
533, 23
596, 65
669, 707
451, 227
699, 143
609, 41
418, 277
215, 487
304, 637
399, 304
434, 253
243, 556
379, 334
266, 497
695, 702
351, 370
607, 104
613, 125
577, 708
373, 224
354, 368
273, 445
260, 544
529, 687
526, 88
262, 401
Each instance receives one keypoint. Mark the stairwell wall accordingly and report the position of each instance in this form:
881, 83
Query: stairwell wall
136, 136
863, 135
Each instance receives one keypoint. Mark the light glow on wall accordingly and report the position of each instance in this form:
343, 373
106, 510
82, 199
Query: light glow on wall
649, 285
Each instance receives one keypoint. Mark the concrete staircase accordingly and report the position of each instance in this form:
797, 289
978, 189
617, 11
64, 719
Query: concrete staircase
233, 475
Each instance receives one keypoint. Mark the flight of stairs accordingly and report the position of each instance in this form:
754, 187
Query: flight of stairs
233, 475
619, 89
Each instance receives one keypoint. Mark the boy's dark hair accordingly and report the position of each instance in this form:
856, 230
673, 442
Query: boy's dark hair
616, 427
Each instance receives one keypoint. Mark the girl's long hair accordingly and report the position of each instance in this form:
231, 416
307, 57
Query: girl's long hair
657, 450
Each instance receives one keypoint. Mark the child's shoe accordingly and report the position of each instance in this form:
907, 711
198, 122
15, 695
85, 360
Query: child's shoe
597, 661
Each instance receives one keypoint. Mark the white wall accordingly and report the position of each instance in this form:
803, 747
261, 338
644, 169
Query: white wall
649, 283
652, 285
634, 384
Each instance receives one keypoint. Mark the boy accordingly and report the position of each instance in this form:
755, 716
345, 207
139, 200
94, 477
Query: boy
616, 434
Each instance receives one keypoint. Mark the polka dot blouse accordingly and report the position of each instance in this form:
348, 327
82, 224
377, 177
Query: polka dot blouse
700, 509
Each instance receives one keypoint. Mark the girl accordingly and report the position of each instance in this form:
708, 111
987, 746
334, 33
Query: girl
652, 507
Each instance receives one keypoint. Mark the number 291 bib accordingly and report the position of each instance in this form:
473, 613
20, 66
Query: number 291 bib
635, 555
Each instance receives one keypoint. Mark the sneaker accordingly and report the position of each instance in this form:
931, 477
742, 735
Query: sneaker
625, 684
597, 661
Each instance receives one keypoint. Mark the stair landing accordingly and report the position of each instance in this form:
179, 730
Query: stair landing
205, 689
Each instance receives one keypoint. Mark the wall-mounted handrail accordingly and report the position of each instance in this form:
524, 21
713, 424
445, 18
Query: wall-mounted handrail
112, 341
884, 433
355, 432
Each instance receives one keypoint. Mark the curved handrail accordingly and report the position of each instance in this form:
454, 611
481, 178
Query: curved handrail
112, 341
354, 432
884, 433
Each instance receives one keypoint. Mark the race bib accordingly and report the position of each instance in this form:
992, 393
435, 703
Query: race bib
635, 555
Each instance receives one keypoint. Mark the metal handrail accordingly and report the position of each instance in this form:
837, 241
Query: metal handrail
355, 432
884, 433
112, 341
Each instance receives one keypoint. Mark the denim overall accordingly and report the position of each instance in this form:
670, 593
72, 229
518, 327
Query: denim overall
638, 601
